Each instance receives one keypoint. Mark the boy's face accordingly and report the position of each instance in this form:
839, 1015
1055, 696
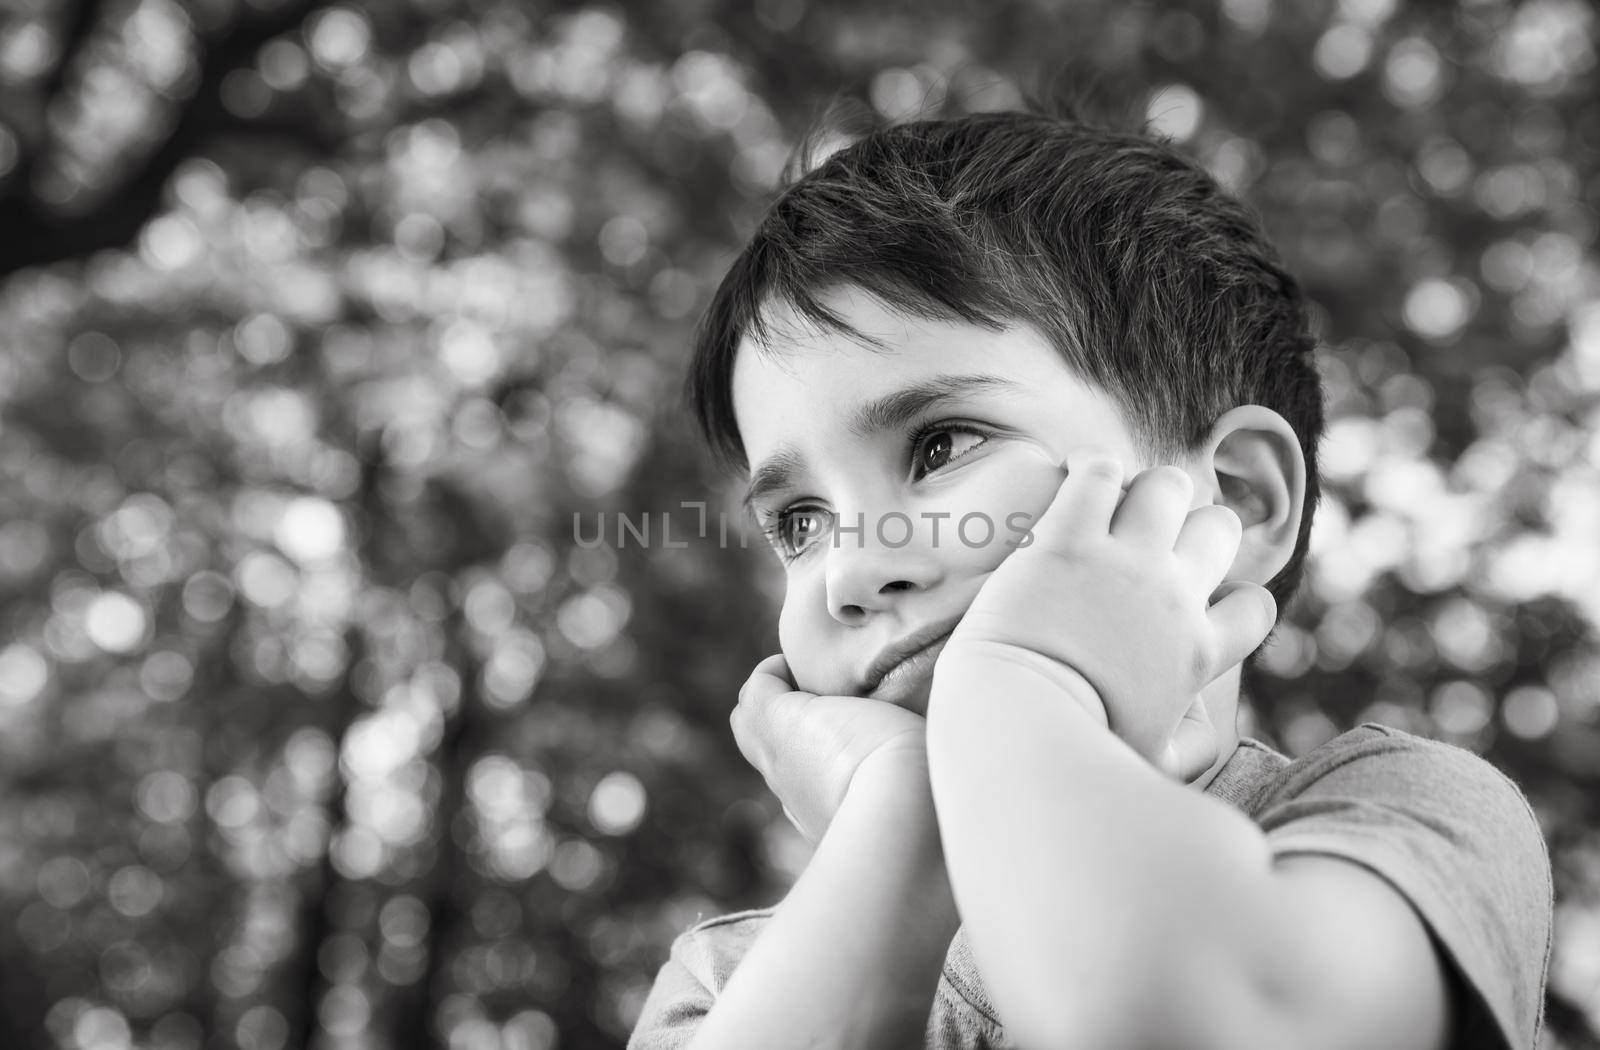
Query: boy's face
961, 452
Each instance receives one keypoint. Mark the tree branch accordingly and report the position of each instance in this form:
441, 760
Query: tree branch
33, 236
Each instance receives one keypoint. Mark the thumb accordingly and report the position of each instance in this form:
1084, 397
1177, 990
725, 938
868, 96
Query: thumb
1242, 614
1193, 747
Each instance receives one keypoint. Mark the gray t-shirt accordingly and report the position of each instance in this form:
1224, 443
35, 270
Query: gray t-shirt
1443, 826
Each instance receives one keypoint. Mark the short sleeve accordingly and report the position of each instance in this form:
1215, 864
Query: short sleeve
698, 966
1458, 840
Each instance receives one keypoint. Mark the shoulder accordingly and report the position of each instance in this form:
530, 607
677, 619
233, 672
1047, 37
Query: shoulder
1452, 834
698, 966
711, 948
1382, 792
1384, 766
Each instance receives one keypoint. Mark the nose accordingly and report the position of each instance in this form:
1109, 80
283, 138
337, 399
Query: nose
865, 574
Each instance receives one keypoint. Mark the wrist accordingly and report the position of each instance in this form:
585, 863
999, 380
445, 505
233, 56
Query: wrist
989, 667
892, 794
895, 778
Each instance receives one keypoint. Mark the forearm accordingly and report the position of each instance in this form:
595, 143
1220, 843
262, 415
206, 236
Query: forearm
1081, 869
851, 958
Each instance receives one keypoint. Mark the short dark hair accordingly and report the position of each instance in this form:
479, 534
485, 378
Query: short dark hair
1150, 279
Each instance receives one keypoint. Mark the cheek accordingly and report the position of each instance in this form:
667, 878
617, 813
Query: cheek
1013, 498
801, 639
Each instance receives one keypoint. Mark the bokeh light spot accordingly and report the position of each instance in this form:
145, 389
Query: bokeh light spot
577, 865
310, 530
27, 49
23, 674
344, 1011
135, 891
233, 802
283, 64
1413, 73
897, 94
102, 1028
262, 1027
1437, 309
617, 803
1461, 708
594, 618
404, 921
265, 579
624, 240
339, 38
115, 622
171, 242
93, 356
1342, 52
166, 797
1530, 712
513, 669
207, 596
166, 675
263, 339
1175, 110
530, 1030
63, 881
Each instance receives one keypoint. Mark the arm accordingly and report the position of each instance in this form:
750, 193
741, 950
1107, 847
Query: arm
851, 958
1131, 912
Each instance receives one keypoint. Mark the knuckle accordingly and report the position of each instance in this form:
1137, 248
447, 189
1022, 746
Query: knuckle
1173, 602
1068, 553
1098, 461
1101, 467
750, 690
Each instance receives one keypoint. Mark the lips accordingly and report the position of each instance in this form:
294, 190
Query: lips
903, 668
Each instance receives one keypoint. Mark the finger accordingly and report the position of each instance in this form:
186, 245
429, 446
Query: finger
1152, 513
1242, 618
745, 738
761, 723
753, 716
1083, 504
1193, 748
770, 678
776, 664
1208, 543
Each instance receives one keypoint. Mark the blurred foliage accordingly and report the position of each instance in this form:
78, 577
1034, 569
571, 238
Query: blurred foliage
319, 727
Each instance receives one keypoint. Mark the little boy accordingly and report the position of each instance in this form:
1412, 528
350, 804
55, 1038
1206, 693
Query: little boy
1004, 713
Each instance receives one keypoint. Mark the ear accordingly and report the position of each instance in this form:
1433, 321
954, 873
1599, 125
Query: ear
1253, 464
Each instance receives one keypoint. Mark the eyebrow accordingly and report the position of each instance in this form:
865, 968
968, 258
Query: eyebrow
889, 412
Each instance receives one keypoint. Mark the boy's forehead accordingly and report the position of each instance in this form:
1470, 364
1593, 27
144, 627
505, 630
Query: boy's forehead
873, 331
880, 347
797, 370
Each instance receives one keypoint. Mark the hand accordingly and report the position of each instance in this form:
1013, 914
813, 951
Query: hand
1124, 606
809, 747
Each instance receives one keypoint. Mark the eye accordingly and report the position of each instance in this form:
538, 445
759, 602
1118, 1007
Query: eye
796, 529
940, 444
